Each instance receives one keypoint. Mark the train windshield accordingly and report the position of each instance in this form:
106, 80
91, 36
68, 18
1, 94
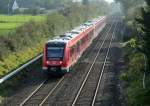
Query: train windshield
55, 53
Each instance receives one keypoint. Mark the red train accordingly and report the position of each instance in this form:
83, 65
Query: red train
62, 52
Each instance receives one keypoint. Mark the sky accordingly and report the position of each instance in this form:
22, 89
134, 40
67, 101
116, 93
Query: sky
110, 1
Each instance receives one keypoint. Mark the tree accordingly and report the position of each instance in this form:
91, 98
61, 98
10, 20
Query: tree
145, 30
129, 4
85, 2
6, 5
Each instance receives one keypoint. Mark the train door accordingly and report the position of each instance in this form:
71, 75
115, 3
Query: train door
72, 54
78, 48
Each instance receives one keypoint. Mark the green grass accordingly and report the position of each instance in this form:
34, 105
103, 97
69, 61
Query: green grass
8, 23
19, 18
14, 60
8, 26
4, 32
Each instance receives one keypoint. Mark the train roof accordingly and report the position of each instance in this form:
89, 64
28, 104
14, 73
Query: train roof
75, 32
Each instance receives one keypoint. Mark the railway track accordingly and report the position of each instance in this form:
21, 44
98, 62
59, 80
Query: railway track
87, 92
43, 92
103, 68
45, 89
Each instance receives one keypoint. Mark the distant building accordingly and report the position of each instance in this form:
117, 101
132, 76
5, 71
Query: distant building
20, 7
23, 9
15, 6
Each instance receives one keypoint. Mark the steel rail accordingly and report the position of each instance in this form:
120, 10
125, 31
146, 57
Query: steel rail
87, 75
44, 100
10, 75
103, 68
38, 88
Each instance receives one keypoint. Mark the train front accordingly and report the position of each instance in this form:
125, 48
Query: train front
54, 57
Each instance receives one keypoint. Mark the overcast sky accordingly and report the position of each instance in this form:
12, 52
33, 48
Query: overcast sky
109, 1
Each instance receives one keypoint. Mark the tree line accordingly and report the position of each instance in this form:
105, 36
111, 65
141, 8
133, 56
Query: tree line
6, 5
136, 74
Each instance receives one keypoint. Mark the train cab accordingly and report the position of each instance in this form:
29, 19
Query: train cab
55, 56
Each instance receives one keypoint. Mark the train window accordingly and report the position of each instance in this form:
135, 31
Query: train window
74, 32
55, 53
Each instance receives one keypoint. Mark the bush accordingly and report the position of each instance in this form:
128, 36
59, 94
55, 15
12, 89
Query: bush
132, 77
